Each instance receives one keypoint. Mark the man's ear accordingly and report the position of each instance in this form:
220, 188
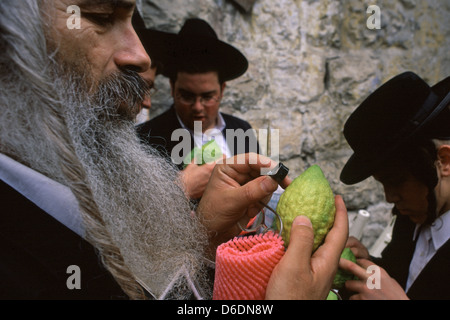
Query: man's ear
444, 159
222, 89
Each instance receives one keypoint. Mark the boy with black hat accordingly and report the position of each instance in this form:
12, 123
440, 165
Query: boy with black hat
400, 135
198, 65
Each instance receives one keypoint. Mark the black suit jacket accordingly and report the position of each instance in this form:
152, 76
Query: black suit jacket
36, 250
434, 280
157, 133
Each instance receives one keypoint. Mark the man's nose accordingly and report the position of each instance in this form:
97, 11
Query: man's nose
197, 107
131, 53
147, 103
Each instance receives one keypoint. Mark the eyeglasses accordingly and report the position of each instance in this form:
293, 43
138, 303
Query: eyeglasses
190, 99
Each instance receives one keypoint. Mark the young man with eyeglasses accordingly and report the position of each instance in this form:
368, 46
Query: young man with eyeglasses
198, 65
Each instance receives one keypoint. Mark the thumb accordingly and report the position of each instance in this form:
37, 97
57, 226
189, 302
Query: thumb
301, 242
257, 189
253, 191
221, 159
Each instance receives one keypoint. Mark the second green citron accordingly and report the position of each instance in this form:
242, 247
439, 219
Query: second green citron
207, 153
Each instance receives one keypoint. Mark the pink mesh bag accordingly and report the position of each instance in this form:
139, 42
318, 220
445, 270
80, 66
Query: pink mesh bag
244, 266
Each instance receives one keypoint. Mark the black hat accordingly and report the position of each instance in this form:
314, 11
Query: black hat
195, 43
402, 109
156, 43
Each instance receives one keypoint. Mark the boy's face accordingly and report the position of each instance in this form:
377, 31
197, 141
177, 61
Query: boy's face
406, 192
205, 86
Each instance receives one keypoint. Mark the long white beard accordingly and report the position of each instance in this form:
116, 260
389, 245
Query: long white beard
137, 191
142, 202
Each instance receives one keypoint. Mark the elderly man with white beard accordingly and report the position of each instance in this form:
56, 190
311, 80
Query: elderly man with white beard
87, 212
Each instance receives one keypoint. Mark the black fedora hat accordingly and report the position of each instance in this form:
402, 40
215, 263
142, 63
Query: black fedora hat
158, 44
401, 110
195, 44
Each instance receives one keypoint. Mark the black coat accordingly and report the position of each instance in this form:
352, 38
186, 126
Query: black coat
157, 133
434, 280
36, 250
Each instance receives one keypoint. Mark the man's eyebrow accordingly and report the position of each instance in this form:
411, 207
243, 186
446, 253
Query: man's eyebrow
128, 4
184, 91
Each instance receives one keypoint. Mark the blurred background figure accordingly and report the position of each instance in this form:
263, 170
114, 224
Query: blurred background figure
198, 65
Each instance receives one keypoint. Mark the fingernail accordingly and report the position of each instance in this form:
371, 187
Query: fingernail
268, 185
302, 221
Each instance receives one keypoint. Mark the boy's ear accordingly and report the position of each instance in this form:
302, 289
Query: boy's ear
444, 159
222, 89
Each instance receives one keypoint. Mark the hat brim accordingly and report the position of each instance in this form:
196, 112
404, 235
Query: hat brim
171, 49
226, 59
158, 44
358, 168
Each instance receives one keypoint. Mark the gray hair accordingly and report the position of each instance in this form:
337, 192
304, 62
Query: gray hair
24, 59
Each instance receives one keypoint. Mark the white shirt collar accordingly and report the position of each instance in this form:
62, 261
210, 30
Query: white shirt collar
214, 133
220, 125
52, 197
438, 231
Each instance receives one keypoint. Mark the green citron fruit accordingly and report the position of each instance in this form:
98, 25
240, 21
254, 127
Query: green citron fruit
209, 152
309, 195
342, 275
332, 296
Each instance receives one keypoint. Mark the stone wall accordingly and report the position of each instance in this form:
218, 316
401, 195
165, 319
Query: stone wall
311, 64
